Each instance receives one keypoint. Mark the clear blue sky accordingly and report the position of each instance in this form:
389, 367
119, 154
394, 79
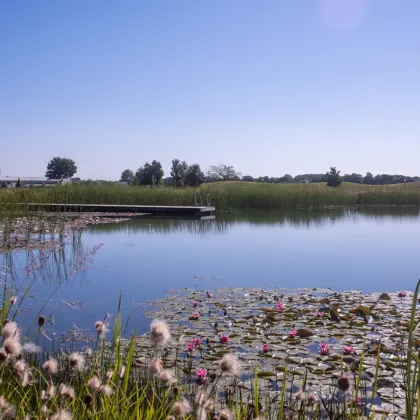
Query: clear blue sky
270, 87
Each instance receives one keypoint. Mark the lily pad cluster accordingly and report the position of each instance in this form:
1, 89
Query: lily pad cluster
305, 340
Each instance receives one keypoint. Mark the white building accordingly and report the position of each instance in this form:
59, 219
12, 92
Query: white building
25, 181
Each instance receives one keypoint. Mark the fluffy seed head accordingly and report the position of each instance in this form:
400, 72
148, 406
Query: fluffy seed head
121, 373
12, 346
229, 364
100, 327
19, 366
10, 330
9, 413
50, 366
159, 333
77, 361
166, 377
106, 390
26, 377
3, 403
94, 383
66, 391
31, 348
156, 365
51, 391
181, 408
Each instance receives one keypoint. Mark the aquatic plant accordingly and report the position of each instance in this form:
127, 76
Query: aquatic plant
324, 349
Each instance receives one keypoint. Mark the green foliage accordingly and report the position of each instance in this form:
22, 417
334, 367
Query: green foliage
3, 185
222, 172
356, 178
179, 172
127, 176
194, 176
150, 173
18, 183
60, 168
225, 196
334, 178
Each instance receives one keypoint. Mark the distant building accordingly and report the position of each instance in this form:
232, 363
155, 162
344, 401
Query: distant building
25, 181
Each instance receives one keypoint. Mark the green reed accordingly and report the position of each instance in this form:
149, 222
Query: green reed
224, 196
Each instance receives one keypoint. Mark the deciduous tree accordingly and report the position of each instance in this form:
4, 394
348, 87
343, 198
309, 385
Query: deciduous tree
60, 169
127, 176
150, 173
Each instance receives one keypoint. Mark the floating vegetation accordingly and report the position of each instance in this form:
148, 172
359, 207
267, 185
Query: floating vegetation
299, 342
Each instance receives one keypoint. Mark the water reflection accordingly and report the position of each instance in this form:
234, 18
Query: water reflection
221, 224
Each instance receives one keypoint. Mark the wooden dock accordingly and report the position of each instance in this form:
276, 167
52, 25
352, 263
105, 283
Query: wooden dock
189, 211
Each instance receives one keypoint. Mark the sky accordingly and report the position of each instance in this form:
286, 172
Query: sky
270, 87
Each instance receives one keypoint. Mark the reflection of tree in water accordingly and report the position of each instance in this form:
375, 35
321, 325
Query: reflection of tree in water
222, 222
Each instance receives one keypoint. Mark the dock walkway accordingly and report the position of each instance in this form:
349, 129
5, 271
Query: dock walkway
126, 208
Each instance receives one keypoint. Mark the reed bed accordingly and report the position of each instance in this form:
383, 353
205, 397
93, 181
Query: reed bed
225, 196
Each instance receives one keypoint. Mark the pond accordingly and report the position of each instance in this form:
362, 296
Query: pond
369, 250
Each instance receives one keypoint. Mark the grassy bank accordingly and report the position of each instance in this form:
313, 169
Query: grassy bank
224, 195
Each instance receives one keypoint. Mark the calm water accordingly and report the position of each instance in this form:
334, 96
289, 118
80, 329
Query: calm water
372, 251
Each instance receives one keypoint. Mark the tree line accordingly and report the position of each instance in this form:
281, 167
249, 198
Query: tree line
182, 174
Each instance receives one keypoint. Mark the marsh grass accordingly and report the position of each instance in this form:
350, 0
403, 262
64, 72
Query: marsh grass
225, 196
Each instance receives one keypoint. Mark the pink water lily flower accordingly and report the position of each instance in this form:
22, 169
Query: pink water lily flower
292, 333
402, 294
265, 348
195, 316
280, 307
324, 349
190, 346
201, 375
224, 339
195, 304
196, 341
348, 350
319, 314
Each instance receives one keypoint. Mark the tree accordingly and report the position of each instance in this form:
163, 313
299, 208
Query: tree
178, 172
286, 178
247, 178
334, 178
194, 176
355, 178
217, 173
150, 173
18, 184
60, 169
3, 185
127, 176
369, 179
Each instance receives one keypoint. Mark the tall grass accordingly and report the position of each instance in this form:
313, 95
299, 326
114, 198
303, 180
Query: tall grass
224, 196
